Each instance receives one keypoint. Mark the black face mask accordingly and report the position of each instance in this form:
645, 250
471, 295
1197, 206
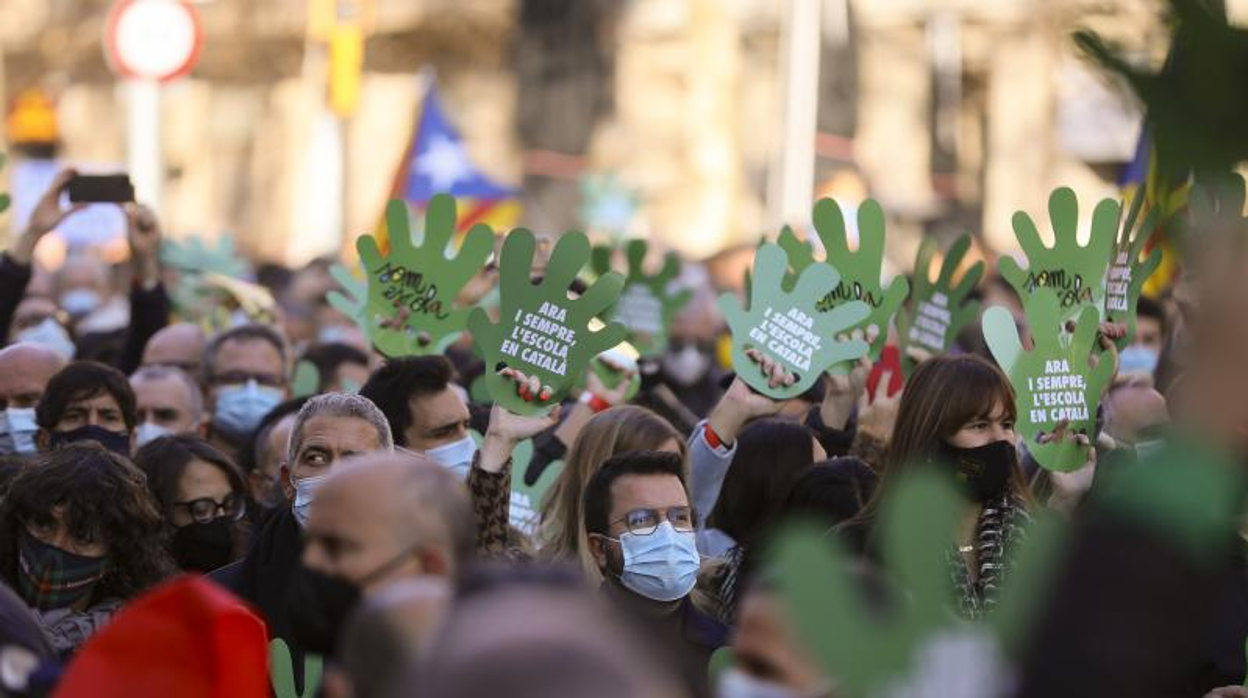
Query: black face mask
204, 547
983, 473
318, 606
116, 441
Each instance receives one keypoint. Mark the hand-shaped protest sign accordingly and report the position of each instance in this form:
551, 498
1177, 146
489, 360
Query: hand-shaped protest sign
939, 310
352, 299
871, 652
412, 289
647, 307
1074, 274
1055, 381
786, 326
859, 271
282, 671
1127, 273
541, 332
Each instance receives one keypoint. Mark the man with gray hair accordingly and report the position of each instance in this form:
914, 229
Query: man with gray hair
328, 428
167, 401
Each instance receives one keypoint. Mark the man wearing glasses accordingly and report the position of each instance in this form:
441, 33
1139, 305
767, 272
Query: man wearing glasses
244, 376
642, 535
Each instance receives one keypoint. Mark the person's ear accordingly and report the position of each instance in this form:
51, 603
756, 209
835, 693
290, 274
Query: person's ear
597, 548
288, 487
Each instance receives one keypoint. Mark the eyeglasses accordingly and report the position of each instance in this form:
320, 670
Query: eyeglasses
207, 509
643, 522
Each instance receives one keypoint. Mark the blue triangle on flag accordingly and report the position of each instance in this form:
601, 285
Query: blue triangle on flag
438, 162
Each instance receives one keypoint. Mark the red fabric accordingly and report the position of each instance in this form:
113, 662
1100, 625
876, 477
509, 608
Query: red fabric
597, 404
712, 439
188, 638
890, 362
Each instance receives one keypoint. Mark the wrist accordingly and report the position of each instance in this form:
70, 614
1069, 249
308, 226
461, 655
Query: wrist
496, 451
595, 403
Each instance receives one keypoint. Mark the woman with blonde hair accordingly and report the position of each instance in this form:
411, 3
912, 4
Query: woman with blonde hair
610, 432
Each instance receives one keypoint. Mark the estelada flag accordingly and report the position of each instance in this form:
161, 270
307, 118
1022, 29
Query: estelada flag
437, 162
1142, 177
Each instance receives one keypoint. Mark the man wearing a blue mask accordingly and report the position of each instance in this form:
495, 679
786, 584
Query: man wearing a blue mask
87, 401
642, 535
244, 376
25, 370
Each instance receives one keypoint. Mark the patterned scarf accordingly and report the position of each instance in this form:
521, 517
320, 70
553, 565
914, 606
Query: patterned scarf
1002, 524
49, 577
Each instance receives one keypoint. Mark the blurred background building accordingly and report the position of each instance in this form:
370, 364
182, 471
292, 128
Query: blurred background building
953, 113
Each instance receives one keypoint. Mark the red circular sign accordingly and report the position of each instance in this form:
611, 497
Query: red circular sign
153, 39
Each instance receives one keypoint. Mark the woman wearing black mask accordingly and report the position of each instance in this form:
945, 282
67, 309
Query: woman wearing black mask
79, 536
957, 414
203, 497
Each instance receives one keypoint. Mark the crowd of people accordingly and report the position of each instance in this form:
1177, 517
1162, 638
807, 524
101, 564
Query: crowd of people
149, 466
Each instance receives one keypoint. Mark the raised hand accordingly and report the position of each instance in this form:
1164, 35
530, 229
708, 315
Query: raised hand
1127, 272
646, 307
784, 325
47, 214
1071, 273
860, 271
144, 235
1060, 380
938, 310
541, 332
412, 290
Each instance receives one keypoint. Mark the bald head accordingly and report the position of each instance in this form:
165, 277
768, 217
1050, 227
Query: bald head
180, 345
388, 630
388, 516
25, 369
1131, 410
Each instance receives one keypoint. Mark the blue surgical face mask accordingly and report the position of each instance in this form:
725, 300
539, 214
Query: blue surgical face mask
51, 335
148, 432
456, 456
737, 684
1137, 360
662, 566
17, 431
239, 408
330, 334
305, 492
80, 301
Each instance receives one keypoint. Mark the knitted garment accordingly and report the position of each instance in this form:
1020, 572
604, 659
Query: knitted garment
1002, 525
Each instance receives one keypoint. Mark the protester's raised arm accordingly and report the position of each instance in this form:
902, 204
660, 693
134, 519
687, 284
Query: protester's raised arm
47, 214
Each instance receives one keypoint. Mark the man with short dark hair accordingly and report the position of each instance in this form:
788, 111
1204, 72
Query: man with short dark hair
168, 402
340, 367
87, 401
245, 375
426, 410
642, 535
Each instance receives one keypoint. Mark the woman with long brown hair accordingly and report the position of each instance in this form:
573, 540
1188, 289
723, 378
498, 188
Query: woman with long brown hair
957, 413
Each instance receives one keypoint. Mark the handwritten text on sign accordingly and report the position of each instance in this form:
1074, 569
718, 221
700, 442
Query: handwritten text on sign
639, 310
1070, 287
541, 339
931, 323
1058, 394
787, 337
409, 289
1119, 281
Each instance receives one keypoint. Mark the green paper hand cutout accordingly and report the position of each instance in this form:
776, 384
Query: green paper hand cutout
646, 307
1127, 273
1054, 381
1073, 274
786, 326
877, 653
196, 255
411, 291
600, 259
282, 671
939, 309
859, 271
541, 332
352, 300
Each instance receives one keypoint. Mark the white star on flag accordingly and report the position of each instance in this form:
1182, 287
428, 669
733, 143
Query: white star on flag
444, 163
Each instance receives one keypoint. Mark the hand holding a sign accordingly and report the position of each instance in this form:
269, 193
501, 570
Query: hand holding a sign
1056, 382
1068, 272
785, 327
507, 429
1069, 488
1127, 273
938, 310
541, 332
144, 235
411, 291
46, 216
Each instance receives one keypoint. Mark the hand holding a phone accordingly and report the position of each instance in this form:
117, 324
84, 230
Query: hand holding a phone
44, 218
144, 235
